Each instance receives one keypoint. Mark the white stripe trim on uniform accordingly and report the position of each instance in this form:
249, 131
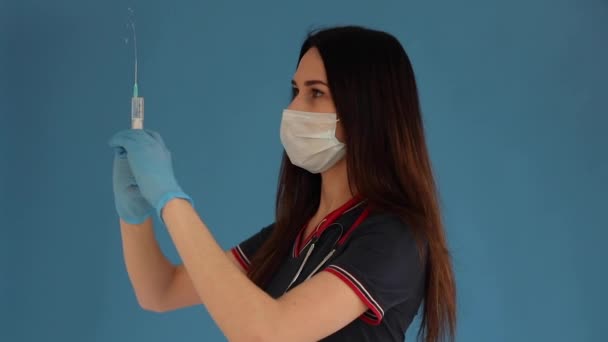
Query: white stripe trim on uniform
245, 258
360, 286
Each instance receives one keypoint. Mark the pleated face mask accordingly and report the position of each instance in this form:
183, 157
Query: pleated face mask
310, 140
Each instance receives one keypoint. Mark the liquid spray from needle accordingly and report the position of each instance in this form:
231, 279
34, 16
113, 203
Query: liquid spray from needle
137, 102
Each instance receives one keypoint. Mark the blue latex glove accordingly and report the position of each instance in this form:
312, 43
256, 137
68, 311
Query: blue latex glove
131, 206
150, 162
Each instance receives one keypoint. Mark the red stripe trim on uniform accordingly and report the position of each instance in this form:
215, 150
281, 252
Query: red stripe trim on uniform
359, 220
370, 321
375, 310
239, 258
295, 245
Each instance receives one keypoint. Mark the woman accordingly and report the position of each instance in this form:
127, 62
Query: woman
357, 244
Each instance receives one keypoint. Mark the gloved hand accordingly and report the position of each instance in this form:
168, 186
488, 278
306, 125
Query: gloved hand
150, 162
130, 204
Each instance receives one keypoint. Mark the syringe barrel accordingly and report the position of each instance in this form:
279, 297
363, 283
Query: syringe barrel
137, 112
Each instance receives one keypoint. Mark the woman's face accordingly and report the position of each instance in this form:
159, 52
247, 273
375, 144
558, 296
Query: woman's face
311, 92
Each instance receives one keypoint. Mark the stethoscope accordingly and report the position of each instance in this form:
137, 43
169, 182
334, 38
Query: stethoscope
338, 242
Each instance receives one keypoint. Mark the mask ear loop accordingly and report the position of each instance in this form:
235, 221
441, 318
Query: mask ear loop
336, 130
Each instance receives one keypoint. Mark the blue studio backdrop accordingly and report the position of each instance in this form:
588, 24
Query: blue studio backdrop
514, 96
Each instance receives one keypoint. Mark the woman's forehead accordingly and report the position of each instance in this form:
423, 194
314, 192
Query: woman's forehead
310, 67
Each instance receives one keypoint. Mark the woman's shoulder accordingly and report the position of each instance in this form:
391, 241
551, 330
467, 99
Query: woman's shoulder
385, 223
389, 230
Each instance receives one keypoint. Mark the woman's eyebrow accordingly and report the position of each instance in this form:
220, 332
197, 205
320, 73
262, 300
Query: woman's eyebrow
309, 83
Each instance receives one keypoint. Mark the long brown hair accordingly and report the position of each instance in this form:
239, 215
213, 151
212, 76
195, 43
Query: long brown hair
376, 98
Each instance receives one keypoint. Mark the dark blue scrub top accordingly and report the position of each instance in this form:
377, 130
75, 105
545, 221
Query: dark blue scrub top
378, 259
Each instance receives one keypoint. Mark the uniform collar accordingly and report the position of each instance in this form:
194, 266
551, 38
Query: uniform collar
350, 205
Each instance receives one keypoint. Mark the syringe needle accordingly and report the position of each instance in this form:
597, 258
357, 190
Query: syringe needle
137, 102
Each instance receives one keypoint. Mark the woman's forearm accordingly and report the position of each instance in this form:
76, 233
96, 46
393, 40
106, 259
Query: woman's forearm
241, 309
149, 270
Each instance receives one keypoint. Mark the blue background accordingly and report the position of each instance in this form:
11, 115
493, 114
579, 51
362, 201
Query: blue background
514, 95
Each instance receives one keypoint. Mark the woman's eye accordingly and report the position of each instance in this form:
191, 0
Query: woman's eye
317, 93
313, 92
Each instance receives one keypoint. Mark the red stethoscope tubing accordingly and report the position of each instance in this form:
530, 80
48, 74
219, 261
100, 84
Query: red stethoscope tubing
317, 234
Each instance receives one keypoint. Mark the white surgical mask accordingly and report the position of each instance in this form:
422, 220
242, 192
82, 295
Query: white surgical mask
310, 140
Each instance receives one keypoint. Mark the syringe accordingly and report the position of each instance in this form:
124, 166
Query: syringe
137, 110
137, 102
